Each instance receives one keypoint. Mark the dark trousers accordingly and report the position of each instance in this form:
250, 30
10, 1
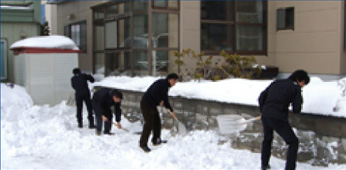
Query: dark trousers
284, 129
99, 111
152, 122
79, 104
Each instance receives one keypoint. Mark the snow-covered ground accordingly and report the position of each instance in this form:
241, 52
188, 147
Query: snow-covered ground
319, 97
43, 137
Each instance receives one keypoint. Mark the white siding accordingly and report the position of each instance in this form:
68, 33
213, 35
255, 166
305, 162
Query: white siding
46, 76
20, 69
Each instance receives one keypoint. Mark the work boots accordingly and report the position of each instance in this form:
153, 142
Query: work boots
91, 124
158, 142
265, 167
145, 148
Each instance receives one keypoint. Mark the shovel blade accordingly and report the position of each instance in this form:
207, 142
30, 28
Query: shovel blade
229, 124
181, 128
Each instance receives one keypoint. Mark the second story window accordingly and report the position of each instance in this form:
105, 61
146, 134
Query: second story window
285, 18
166, 4
234, 26
78, 33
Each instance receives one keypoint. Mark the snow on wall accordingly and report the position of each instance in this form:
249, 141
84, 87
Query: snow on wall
319, 97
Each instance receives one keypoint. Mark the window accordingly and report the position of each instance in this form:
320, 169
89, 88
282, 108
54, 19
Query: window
99, 63
140, 29
217, 37
165, 34
99, 37
111, 34
285, 18
135, 43
78, 33
112, 11
234, 26
140, 5
3, 59
165, 4
118, 63
99, 14
165, 38
124, 33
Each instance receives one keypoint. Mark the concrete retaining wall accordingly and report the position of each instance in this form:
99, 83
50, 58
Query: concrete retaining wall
322, 138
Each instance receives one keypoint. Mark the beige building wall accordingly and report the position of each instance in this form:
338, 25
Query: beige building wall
190, 29
73, 12
314, 44
51, 17
342, 26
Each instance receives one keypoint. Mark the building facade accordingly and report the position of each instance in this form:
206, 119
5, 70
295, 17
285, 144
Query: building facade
49, 14
19, 19
114, 35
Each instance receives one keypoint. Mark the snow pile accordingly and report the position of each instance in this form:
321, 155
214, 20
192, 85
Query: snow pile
126, 83
319, 97
53, 41
14, 100
16, 96
341, 102
98, 77
43, 137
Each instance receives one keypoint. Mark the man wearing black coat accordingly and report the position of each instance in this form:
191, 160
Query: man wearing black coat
79, 83
274, 102
156, 95
103, 100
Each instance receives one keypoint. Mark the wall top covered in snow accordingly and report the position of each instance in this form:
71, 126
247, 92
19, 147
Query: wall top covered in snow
46, 44
321, 98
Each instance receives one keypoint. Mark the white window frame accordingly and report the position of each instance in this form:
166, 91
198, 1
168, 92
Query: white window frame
5, 58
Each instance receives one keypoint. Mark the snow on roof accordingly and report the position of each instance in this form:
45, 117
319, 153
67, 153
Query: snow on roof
54, 41
17, 7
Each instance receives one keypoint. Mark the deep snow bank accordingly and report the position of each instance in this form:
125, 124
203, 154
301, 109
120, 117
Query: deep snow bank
43, 137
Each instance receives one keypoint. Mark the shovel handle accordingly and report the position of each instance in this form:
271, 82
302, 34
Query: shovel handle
174, 117
121, 127
252, 119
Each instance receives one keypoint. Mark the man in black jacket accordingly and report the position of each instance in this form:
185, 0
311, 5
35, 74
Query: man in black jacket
156, 95
274, 102
103, 100
82, 93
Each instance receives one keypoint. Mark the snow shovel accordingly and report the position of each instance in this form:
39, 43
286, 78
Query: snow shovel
126, 130
229, 124
117, 125
121, 127
181, 126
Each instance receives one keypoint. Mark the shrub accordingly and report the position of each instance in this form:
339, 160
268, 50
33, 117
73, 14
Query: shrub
240, 66
234, 65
